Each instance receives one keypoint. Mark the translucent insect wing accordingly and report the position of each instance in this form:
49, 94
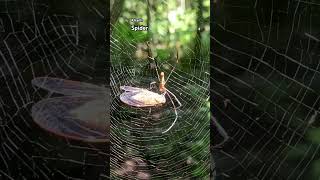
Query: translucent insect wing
58, 115
69, 87
142, 98
82, 115
126, 98
130, 89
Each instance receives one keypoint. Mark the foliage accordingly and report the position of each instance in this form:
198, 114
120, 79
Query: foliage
172, 28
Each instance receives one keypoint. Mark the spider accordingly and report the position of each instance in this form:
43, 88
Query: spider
141, 97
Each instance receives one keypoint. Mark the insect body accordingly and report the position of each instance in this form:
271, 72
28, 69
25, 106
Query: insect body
140, 97
82, 114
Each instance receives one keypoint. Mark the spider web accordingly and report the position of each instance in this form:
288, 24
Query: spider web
136, 133
39, 38
266, 92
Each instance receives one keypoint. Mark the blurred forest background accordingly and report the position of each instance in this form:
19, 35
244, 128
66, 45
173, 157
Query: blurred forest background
174, 26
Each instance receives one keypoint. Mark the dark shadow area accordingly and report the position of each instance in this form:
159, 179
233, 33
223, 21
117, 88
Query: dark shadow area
265, 90
60, 39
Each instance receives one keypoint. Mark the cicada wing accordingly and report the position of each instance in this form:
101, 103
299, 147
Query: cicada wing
69, 87
61, 116
130, 89
127, 98
142, 98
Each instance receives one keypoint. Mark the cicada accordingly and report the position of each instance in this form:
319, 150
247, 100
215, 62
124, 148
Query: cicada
82, 114
141, 97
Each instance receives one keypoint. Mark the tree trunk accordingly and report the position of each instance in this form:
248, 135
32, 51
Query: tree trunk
115, 11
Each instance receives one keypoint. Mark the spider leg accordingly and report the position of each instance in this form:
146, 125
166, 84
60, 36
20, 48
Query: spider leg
175, 111
222, 132
174, 67
175, 97
170, 74
157, 72
153, 59
151, 85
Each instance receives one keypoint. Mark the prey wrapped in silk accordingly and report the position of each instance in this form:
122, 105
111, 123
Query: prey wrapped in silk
141, 97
